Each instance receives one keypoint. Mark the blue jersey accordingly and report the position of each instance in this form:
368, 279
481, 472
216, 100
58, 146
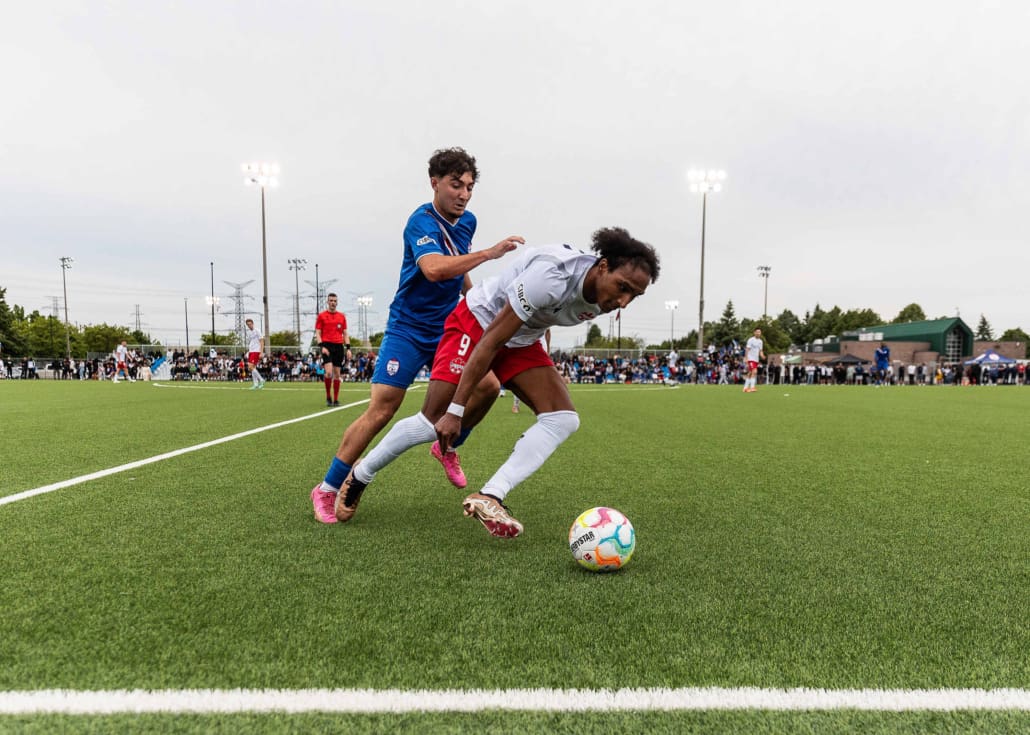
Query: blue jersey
883, 357
420, 306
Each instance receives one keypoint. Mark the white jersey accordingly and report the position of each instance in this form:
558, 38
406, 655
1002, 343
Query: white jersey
121, 353
544, 287
253, 340
753, 349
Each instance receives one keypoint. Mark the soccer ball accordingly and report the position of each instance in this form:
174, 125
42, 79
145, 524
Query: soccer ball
602, 539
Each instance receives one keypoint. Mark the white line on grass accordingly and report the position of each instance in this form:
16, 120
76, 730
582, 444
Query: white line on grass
167, 455
536, 700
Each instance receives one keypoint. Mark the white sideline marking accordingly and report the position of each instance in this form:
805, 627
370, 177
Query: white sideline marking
65, 701
167, 455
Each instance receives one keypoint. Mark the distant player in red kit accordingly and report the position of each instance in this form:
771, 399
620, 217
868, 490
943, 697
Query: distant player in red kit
331, 335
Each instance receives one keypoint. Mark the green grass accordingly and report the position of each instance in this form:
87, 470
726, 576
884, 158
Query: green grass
829, 538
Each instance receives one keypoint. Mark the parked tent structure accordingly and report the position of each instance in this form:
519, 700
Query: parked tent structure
990, 358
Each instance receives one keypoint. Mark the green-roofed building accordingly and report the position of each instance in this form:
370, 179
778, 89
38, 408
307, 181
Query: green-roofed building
951, 338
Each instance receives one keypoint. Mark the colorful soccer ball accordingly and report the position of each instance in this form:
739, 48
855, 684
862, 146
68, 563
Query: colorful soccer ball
602, 539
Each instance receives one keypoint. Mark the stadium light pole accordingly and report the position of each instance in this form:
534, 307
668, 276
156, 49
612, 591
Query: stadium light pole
66, 263
297, 265
703, 182
263, 175
186, 311
363, 303
763, 272
671, 307
212, 301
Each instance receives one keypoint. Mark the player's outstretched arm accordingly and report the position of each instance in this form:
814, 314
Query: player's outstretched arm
437, 267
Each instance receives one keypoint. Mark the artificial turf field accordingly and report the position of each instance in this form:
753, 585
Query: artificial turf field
826, 538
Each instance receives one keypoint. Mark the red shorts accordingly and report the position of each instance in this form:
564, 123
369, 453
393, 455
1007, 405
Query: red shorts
121, 366
752, 365
461, 334
253, 357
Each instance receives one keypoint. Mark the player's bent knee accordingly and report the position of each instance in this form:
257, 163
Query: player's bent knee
489, 385
562, 424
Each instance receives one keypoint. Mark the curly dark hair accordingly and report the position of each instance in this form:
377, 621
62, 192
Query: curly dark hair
452, 162
618, 247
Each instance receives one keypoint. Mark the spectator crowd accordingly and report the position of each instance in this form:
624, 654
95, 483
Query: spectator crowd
724, 366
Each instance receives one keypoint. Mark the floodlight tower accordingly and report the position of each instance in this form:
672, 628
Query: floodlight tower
363, 303
703, 182
296, 265
671, 307
763, 272
66, 263
212, 301
263, 175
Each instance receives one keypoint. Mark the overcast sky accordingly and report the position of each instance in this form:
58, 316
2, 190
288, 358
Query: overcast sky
876, 154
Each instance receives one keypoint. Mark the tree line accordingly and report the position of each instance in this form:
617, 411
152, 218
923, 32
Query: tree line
25, 334
38, 335
787, 329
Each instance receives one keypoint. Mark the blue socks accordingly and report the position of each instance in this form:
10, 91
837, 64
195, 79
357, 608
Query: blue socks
337, 473
461, 438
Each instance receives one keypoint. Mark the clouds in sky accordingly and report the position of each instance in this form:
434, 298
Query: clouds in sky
875, 153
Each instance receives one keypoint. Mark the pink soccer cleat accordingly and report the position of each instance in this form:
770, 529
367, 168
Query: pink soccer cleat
451, 465
323, 501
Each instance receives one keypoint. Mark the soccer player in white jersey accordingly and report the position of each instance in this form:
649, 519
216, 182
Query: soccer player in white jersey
498, 327
255, 348
121, 363
753, 354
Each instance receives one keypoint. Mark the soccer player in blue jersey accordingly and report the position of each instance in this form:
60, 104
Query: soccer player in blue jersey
434, 273
883, 361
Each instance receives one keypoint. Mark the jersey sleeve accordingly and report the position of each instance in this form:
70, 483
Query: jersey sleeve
539, 287
422, 237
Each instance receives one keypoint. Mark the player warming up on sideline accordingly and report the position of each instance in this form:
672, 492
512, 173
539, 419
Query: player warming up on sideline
498, 327
883, 364
434, 273
121, 363
753, 354
331, 335
255, 348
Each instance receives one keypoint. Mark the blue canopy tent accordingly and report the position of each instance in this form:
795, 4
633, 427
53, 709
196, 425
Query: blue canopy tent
990, 358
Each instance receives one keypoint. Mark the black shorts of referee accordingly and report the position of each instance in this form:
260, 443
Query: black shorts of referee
336, 353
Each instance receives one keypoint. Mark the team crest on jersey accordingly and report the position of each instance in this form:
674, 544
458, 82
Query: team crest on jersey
457, 366
520, 291
392, 366
586, 316
425, 240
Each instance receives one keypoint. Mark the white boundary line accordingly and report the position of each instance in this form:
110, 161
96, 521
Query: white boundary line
167, 455
533, 700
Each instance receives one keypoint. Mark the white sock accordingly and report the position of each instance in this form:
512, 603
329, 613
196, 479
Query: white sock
532, 450
256, 377
404, 435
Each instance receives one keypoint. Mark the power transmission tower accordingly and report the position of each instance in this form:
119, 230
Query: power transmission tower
321, 288
239, 311
137, 314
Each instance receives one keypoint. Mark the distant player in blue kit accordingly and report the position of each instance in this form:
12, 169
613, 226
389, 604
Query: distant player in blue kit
883, 362
434, 273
